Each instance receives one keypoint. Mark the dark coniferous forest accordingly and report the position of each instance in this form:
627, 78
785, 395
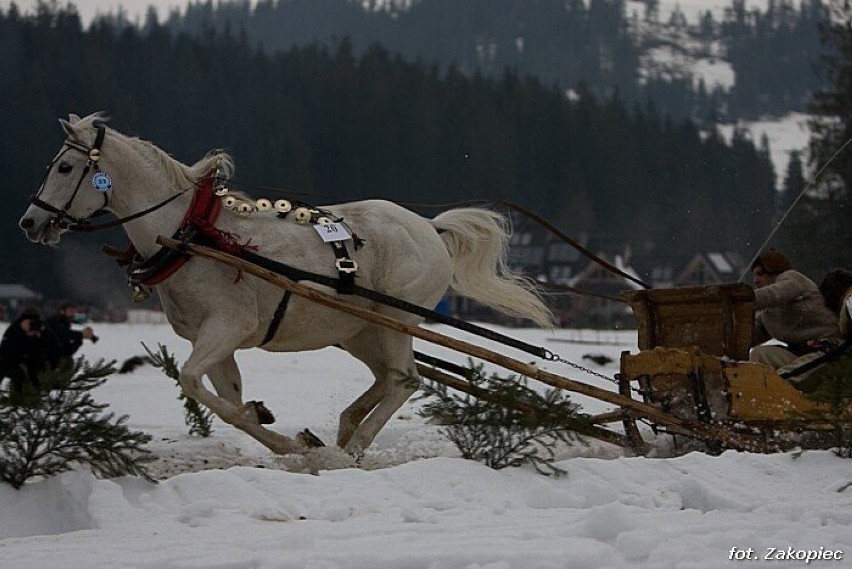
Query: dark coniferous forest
340, 124
597, 42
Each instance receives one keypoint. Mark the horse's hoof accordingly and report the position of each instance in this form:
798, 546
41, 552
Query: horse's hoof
309, 439
264, 415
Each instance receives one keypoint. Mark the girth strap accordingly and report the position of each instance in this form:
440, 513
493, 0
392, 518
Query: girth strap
276, 318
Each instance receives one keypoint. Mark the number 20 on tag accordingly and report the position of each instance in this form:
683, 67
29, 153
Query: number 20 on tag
333, 232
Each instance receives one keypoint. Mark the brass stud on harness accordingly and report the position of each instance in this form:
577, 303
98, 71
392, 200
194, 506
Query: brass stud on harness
245, 209
263, 204
323, 221
222, 191
94, 154
283, 206
302, 215
229, 202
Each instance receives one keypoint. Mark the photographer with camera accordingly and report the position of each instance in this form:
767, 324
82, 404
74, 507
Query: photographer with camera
25, 351
68, 339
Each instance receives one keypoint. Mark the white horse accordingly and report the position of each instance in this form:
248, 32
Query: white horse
404, 255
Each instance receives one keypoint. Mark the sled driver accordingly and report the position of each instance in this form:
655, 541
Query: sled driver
790, 309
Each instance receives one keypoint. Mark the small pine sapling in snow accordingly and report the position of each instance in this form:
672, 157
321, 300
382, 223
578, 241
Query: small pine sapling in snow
60, 426
503, 422
199, 419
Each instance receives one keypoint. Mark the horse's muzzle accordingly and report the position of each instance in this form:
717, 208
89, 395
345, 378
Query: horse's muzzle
37, 231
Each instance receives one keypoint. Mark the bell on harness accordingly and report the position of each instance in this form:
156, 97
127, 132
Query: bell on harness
140, 294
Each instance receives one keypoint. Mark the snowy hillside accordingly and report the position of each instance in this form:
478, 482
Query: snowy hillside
675, 51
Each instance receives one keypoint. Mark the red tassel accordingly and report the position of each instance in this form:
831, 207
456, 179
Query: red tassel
225, 241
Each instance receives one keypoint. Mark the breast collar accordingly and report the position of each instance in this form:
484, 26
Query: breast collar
203, 212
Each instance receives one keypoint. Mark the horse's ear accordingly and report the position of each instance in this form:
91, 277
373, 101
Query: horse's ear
72, 118
68, 127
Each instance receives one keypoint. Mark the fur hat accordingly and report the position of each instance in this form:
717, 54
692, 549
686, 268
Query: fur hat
835, 286
773, 262
30, 313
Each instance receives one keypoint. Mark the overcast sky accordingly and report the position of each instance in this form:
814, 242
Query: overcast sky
89, 8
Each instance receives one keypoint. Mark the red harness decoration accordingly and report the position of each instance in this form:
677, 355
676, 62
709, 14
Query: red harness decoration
202, 214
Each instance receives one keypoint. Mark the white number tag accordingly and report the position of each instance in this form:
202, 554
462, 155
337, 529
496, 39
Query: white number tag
333, 232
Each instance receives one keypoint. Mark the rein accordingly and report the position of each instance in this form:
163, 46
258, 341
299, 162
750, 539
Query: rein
88, 227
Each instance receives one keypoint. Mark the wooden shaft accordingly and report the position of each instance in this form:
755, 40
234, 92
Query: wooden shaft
464, 386
700, 430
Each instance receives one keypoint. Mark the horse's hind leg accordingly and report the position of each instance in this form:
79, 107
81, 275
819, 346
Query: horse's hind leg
362, 348
389, 356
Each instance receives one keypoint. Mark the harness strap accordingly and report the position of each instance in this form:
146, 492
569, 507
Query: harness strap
346, 268
441, 364
276, 318
300, 275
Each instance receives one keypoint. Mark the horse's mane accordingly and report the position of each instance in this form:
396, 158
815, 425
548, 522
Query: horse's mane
181, 175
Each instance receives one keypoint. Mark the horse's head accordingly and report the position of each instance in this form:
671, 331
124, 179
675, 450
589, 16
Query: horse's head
74, 184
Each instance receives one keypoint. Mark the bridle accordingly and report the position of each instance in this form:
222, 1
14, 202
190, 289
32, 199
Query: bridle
64, 220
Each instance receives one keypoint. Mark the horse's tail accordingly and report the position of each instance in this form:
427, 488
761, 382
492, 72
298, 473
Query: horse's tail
478, 242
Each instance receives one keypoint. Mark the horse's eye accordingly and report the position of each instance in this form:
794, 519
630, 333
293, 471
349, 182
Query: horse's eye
65, 167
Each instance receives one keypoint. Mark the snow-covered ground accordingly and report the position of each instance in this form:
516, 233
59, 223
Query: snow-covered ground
226, 503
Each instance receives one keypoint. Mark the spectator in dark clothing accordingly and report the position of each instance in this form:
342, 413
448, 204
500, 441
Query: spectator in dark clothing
836, 288
68, 339
26, 351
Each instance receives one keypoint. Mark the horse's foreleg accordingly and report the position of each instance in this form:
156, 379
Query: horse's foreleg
208, 351
227, 381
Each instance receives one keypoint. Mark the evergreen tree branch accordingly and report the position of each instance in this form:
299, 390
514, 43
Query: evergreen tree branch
502, 422
62, 427
198, 418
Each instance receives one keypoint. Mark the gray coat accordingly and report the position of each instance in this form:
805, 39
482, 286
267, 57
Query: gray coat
792, 310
